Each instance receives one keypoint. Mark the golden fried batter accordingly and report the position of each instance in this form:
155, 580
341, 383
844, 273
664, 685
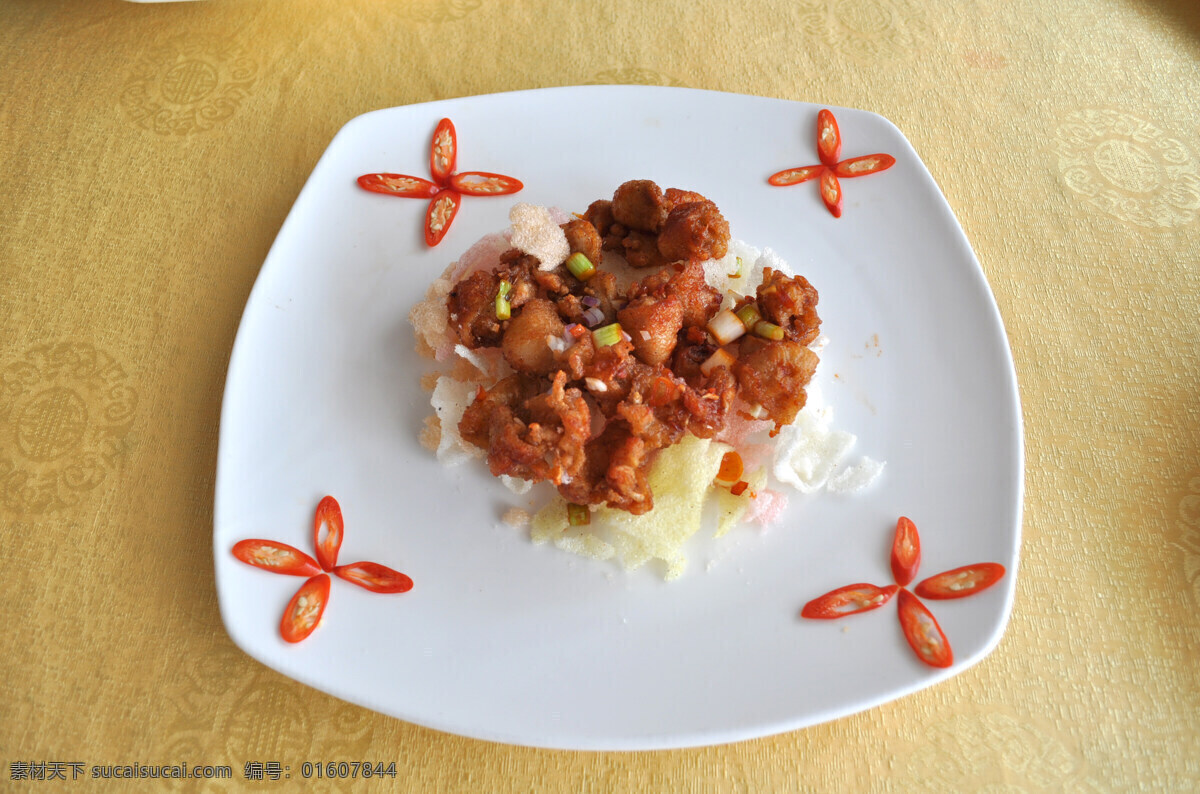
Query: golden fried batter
590, 415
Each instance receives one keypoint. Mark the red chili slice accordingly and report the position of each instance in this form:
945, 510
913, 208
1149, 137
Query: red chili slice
867, 164
922, 631
481, 183
961, 582
375, 577
442, 209
829, 138
906, 552
271, 555
848, 600
327, 544
794, 176
304, 611
443, 153
831, 193
398, 185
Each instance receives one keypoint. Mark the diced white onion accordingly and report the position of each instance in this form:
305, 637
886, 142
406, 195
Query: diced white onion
596, 385
726, 327
721, 358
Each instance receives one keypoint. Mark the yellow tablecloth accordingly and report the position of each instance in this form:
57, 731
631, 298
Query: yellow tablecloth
149, 153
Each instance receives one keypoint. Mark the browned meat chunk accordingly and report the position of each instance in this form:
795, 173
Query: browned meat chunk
641, 250
472, 307
503, 398
700, 301
607, 375
674, 197
517, 269
578, 357
626, 476
639, 204
583, 238
595, 429
708, 406
688, 357
553, 282
696, 230
686, 282
615, 473
543, 439
599, 214
790, 303
527, 340
652, 324
603, 287
773, 375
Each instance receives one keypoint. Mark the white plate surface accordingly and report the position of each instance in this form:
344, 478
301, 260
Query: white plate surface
510, 642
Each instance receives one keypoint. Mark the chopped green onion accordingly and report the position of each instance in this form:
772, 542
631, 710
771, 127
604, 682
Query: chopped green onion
608, 335
581, 267
749, 315
725, 326
578, 515
768, 330
737, 273
503, 307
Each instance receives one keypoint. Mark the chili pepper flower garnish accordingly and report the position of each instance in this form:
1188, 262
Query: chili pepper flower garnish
829, 148
921, 629
448, 187
304, 611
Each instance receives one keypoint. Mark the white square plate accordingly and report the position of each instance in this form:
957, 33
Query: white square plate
510, 642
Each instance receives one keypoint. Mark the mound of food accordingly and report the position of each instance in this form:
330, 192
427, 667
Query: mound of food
639, 361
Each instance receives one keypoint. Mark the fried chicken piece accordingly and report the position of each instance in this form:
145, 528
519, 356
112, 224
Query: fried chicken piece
502, 398
628, 468
578, 357
583, 238
517, 269
708, 405
553, 283
610, 371
700, 301
603, 287
686, 282
641, 250
615, 473
694, 231
542, 438
526, 344
673, 197
652, 324
790, 303
640, 204
472, 308
599, 214
774, 375
689, 355
570, 309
